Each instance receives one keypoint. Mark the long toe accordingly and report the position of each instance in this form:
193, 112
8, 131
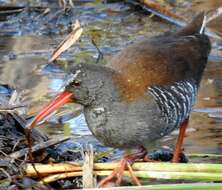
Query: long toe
114, 179
108, 181
116, 176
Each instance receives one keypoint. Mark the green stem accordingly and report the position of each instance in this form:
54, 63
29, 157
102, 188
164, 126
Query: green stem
165, 166
181, 175
170, 175
189, 186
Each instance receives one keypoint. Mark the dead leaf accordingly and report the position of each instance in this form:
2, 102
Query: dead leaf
67, 42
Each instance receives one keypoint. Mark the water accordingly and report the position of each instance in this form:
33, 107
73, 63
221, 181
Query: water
28, 39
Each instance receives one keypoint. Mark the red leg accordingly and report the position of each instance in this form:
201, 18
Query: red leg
124, 163
134, 178
180, 139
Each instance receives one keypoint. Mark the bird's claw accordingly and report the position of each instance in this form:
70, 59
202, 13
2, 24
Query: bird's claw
117, 175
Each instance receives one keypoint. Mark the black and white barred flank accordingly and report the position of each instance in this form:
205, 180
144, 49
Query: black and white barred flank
175, 101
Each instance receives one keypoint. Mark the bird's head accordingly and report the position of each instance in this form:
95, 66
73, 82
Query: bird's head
86, 85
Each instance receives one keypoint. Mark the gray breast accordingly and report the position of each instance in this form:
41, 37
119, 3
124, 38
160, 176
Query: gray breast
125, 125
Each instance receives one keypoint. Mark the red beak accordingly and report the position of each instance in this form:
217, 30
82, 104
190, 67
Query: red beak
56, 103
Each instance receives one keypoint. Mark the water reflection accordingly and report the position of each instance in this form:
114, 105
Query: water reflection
79, 126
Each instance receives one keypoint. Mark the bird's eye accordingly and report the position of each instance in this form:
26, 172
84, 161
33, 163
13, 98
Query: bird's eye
76, 83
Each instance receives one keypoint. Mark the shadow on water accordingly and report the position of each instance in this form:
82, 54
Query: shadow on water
28, 38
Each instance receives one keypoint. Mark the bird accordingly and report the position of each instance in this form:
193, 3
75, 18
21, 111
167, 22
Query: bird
142, 94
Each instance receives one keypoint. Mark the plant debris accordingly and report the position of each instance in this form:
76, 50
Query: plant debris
14, 150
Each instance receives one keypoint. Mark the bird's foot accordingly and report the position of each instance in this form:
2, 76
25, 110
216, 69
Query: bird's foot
117, 174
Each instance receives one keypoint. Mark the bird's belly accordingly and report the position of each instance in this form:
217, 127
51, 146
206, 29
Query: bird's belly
122, 126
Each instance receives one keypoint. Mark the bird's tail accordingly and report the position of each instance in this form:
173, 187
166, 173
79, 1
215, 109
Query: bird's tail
197, 25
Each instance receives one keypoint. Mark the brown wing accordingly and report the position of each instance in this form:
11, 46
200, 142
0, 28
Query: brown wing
162, 60
158, 63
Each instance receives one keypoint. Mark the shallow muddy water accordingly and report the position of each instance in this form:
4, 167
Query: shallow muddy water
27, 40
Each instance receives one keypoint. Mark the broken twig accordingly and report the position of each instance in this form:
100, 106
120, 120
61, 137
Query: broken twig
38, 147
